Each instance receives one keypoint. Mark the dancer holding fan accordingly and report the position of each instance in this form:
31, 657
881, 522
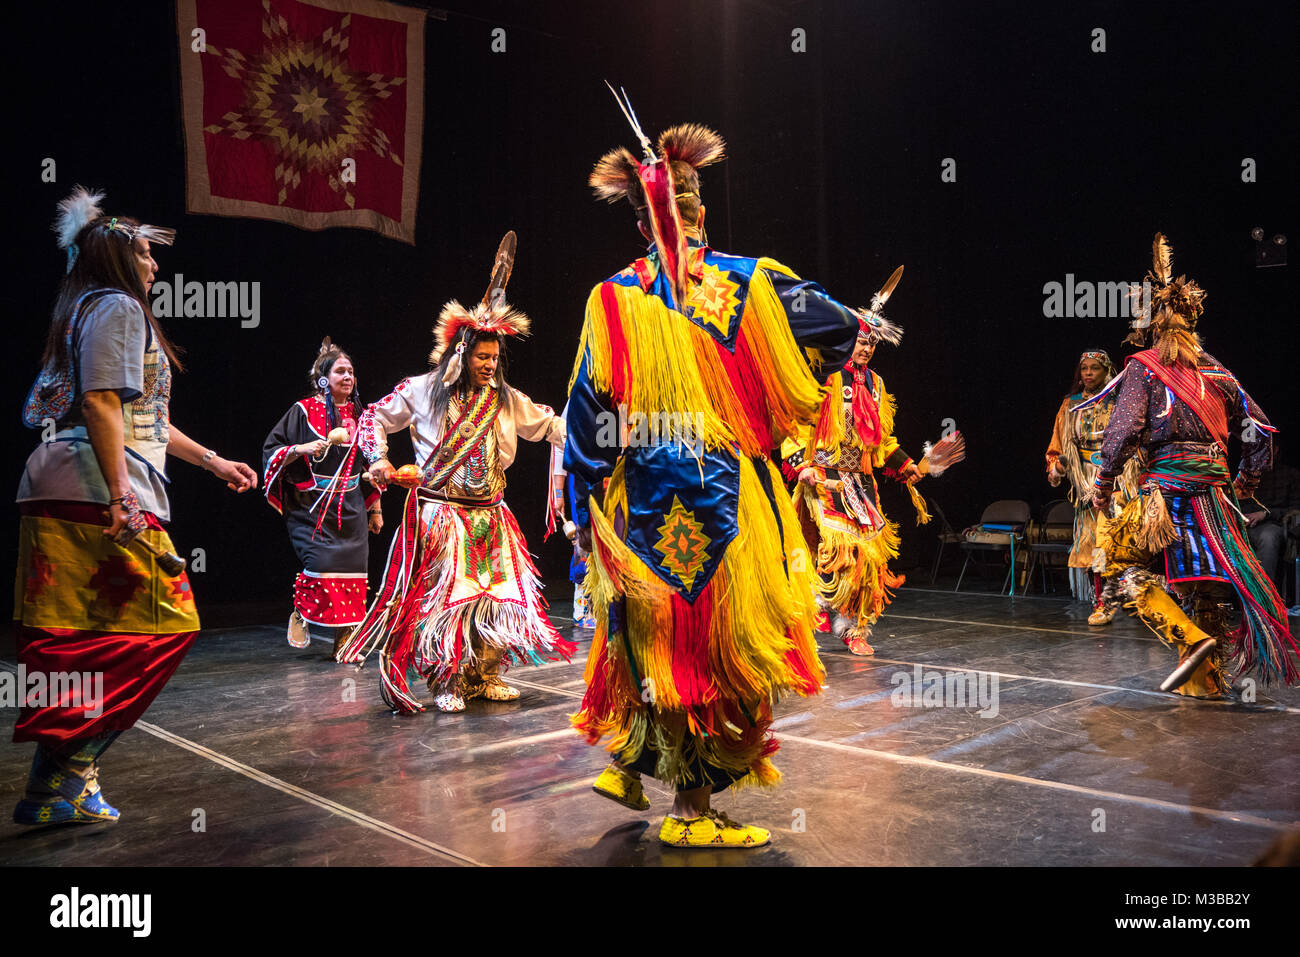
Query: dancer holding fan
313, 478
837, 497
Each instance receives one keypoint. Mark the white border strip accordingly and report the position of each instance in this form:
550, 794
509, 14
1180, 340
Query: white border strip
1233, 816
309, 797
1237, 818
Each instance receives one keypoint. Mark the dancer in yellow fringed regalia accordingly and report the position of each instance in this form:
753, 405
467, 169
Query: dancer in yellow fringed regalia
703, 619
837, 496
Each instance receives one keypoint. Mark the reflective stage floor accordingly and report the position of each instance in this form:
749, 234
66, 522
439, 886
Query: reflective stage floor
259, 754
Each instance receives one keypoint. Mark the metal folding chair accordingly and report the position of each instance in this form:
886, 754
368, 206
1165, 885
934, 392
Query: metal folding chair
947, 535
1056, 516
1004, 517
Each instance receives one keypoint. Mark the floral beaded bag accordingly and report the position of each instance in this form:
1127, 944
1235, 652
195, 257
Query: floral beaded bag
54, 391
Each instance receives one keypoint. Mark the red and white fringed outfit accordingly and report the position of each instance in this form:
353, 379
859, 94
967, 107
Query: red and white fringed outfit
331, 541
460, 589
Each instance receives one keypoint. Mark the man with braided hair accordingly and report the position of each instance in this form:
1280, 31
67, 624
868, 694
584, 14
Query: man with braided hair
1180, 405
701, 586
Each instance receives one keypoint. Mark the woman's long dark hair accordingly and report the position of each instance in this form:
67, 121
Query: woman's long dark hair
322, 367
439, 393
106, 260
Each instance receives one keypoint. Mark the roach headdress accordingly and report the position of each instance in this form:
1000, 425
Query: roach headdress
664, 174
1170, 307
493, 315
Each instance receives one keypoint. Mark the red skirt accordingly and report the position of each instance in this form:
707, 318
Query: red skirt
100, 628
107, 680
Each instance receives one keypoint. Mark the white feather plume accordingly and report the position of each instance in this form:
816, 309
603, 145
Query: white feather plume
79, 208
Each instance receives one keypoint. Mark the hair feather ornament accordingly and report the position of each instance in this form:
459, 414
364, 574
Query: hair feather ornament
873, 323
493, 315
81, 208
328, 350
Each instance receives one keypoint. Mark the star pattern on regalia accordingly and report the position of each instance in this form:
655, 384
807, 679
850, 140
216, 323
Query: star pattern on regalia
305, 102
714, 300
40, 576
117, 580
181, 592
683, 543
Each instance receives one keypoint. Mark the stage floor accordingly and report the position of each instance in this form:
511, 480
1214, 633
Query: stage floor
284, 762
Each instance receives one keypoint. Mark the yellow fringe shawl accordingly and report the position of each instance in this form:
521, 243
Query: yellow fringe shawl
854, 575
759, 615
675, 366
834, 438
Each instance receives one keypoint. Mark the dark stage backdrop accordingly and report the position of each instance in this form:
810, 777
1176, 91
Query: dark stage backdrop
1066, 161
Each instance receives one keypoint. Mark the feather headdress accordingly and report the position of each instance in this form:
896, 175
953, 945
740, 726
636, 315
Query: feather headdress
493, 315
1168, 307
502, 320
873, 323
665, 174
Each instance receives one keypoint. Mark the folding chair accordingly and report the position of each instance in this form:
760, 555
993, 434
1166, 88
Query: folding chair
1003, 527
1055, 536
947, 535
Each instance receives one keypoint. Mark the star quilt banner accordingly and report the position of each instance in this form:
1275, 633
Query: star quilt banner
310, 112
